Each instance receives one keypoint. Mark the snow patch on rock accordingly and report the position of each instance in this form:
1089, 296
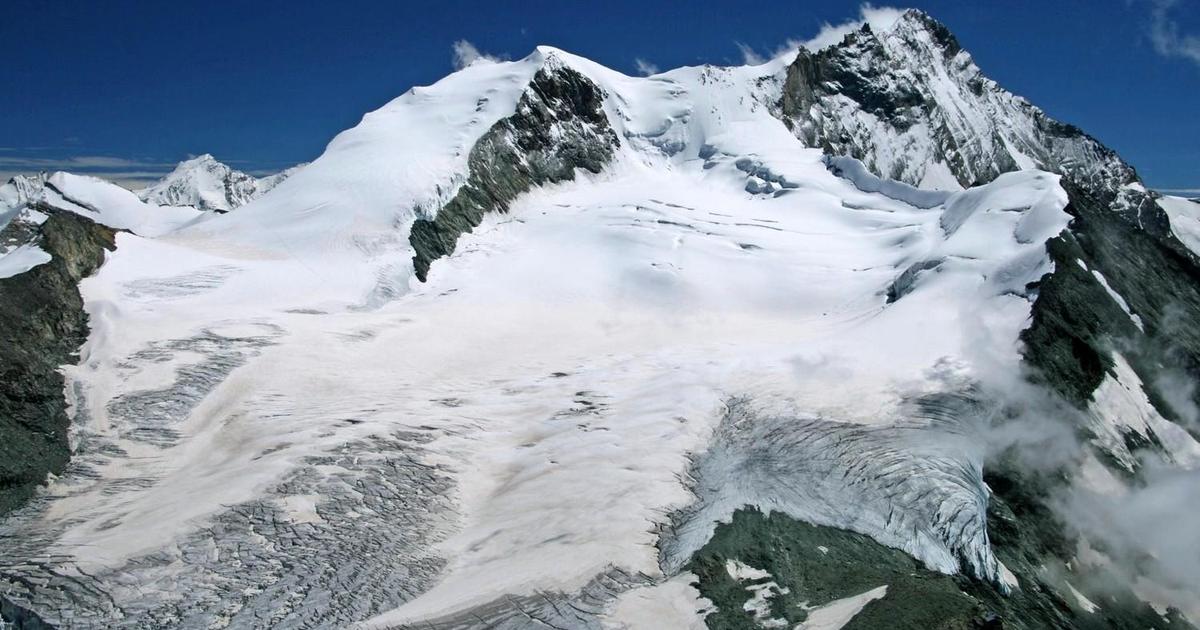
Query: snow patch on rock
838, 613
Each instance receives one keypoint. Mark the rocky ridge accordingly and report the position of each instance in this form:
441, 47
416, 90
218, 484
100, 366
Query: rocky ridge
43, 324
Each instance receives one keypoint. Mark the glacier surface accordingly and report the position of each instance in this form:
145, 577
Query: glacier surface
722, 317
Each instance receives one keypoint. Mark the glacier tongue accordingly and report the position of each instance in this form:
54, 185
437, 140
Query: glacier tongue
913, 485
255, 447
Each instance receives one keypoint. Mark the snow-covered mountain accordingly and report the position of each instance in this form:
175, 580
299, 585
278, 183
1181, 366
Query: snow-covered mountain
26, 203
197, 184
206, 184
18, 224
20, 191
912, 105
853, 334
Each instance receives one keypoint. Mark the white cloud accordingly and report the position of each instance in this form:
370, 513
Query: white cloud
829, 35
465, 54
645, 68
1166, 36
749, 57
788, 46
881, 19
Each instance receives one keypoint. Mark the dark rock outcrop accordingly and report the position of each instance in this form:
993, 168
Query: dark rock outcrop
559, 126
1076, 325
811, 565
42, 325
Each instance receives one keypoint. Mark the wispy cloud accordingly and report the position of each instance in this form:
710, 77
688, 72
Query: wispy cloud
750, 57
880, 19
465, 53
1168, 39
645, 68
129, 172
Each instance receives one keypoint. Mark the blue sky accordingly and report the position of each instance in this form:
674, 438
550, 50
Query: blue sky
128, 88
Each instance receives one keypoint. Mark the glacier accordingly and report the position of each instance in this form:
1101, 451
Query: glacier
276, 422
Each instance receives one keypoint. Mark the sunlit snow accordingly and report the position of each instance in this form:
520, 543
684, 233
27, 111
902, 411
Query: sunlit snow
548, 389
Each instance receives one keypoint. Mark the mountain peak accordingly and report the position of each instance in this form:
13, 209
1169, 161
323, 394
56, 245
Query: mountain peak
552, 59
204, 158
206, 183
19, 192
919, 28
912, 105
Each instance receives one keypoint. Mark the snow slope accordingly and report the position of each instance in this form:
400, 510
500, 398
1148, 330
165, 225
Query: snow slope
21, 259
525, 425
343, 219
97, 199
114, 206
24, 202
1185, 220
836, 614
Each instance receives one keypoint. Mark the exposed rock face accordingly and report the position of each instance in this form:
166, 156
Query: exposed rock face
42, 325
559, 126
764, 567
207, 184
759, 569
913, 106
1077, 324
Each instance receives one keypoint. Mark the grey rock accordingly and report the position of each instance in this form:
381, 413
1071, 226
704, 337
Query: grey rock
42, 325
559, 126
